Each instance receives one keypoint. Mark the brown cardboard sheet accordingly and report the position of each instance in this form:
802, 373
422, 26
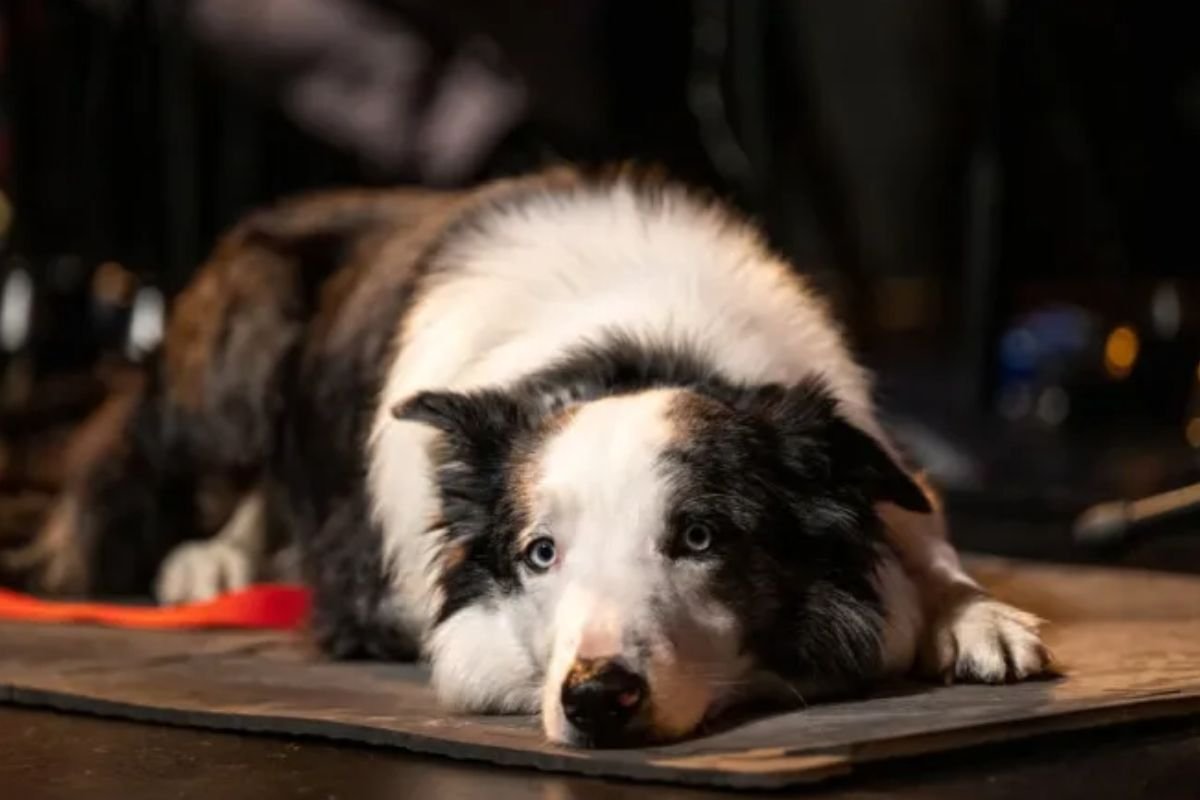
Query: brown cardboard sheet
1129, 642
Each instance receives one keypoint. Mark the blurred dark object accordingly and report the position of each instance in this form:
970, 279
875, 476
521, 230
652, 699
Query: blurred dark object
429, 102
1098, 139
145, 128
1079, 368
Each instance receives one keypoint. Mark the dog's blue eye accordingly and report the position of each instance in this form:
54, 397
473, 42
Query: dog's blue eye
697, 538
541, 554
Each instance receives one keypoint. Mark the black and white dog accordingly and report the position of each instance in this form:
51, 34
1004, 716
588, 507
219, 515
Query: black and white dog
583, 443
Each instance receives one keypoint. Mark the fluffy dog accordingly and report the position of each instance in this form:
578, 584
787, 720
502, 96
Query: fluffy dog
583, 443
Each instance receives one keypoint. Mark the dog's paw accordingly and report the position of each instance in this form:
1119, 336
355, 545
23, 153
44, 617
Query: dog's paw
984, 640
197, 571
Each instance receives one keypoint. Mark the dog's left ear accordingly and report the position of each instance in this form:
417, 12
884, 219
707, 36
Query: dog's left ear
814, 435
860, 460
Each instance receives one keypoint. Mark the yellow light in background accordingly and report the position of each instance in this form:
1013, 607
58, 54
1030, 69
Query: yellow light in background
1192, 432
1121, 351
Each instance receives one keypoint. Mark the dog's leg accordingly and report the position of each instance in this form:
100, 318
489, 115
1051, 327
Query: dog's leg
968, 634
54, 561
230, 560
96, 468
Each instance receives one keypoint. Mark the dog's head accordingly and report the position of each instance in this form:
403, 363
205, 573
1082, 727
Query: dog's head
629, 564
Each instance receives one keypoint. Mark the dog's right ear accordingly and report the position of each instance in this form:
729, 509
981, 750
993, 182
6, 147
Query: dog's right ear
478, 432
481, 422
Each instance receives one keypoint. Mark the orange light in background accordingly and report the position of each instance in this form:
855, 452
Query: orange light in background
1121, 351
1192, 432
113, 284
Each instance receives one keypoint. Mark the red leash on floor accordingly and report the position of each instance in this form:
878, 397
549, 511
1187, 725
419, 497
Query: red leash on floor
266, 606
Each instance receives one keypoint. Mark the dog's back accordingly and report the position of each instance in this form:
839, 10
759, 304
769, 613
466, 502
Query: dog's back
171, 456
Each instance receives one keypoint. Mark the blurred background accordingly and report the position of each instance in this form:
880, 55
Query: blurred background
1001, 197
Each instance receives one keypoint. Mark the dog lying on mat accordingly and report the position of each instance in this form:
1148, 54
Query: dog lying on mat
581, 442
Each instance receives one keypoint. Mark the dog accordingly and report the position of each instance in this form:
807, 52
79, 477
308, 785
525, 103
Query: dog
582, 442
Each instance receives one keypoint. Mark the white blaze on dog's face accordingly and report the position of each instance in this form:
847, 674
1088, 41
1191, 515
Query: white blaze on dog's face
623, 599
626, 565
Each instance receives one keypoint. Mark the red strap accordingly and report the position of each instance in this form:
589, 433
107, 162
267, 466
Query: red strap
275, 606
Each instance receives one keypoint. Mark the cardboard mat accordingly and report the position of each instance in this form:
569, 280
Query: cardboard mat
1130, 643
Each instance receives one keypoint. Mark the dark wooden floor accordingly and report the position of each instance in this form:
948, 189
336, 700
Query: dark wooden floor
46, 756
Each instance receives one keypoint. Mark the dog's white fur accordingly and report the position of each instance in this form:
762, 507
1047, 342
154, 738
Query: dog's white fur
608, 532
557, 271
512, 295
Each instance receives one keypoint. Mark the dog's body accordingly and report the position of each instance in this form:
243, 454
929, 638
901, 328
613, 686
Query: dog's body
584, 444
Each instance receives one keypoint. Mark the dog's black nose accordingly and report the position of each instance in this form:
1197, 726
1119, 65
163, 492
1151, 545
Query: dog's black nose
600, 698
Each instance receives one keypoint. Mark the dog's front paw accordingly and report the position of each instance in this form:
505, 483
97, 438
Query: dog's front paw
987, 641
196, 571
